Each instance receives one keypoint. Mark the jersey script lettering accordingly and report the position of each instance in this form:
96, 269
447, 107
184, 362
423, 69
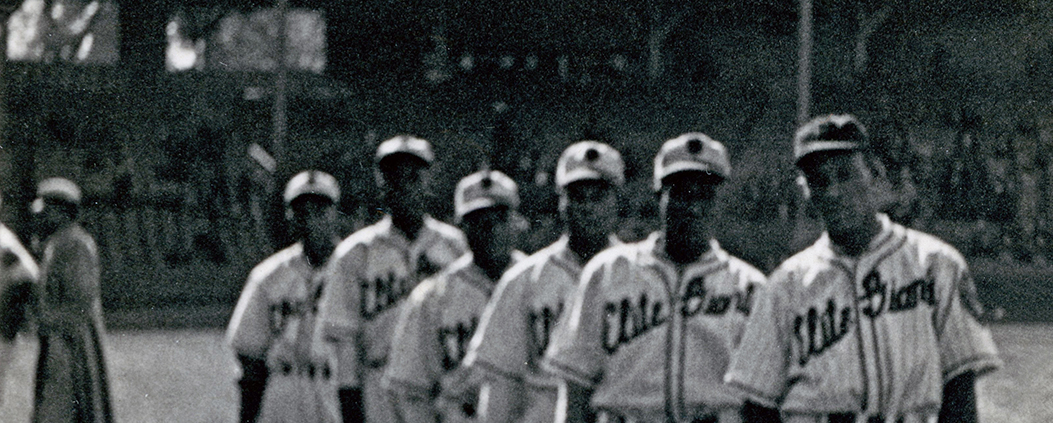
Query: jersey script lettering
542, 322
818, 330
454, 340
381, 293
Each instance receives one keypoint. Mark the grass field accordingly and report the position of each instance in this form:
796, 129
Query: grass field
188, 376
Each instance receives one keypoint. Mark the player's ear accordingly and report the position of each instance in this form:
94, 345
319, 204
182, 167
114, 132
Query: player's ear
378, 177
802, 183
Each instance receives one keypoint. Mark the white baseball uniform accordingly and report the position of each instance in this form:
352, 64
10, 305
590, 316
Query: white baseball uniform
876, 336
432, 336
375, 270
653, 339
274, 320
519, 321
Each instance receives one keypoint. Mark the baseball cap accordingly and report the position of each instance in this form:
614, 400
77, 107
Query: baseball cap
60, 189
827, 134
589, 160
484, 189
693, 151
312, 182
406, 144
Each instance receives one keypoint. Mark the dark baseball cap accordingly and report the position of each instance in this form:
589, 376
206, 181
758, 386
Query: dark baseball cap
829, 134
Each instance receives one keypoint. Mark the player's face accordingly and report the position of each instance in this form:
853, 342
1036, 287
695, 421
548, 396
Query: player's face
491, 232
314, 218
687, 206
50, 216
840, 187
403, 184
591, 208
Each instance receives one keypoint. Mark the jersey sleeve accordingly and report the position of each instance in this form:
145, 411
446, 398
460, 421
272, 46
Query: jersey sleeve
249, 333
576, 351
414, 363
337, 322
337, 314
759, 366
501, 344
965, 344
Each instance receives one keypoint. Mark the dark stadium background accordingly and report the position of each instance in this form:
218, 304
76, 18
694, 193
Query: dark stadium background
956, 95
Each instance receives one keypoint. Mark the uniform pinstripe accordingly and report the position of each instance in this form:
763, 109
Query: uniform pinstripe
653, 339
877, 335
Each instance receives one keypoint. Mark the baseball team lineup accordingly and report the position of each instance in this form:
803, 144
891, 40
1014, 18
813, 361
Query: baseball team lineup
412, 319
416, 320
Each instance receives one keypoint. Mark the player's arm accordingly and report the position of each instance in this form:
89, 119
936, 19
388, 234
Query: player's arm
578, 408
966, 348
18, 294
959, 400
502, 399
249, 335
756, 413
251, 385
758, 367
338, 327
576, 353
411, 375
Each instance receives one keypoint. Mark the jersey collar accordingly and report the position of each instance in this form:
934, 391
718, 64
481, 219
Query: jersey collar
398, 239
653, 252
889, 239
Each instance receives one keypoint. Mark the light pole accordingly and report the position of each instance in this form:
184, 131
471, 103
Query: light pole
804, 62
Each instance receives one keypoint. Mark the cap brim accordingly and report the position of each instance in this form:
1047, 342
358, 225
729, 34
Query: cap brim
813, 147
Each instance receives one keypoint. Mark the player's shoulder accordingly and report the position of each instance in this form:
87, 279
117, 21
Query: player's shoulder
273, 266
745, 270
791, 272
445, 231
927, 246
620, 257
437, 285
362, 238
534, 263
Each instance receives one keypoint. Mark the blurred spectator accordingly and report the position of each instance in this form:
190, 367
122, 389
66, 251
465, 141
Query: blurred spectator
962, 176
71, 381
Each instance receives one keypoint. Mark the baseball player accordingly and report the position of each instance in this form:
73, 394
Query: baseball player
441, 314
653, 324
872, 323
376, 268
285, 376
18, 276
519, 320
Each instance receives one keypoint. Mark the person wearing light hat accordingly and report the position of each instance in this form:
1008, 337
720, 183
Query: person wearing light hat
892, 311
286, 376
378, 266
436, 323
71, 378
652, 325
518, 323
